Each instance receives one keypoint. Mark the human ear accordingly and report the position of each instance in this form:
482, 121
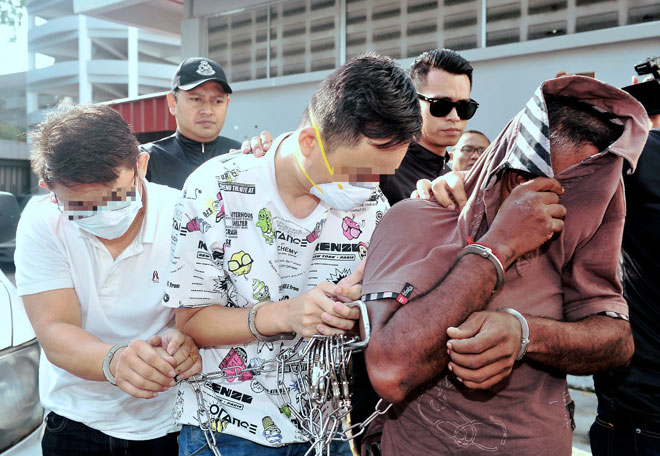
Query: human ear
143, 162
306, 140
171, 103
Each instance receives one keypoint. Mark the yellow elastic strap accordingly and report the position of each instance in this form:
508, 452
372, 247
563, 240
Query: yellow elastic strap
302, 168
331, 170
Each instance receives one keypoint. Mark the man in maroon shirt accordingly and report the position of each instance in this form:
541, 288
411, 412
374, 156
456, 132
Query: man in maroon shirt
561, 303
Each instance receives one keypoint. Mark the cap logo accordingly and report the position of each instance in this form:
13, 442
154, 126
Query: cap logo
205, 69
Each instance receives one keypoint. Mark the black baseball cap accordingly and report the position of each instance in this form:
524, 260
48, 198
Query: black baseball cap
198, 70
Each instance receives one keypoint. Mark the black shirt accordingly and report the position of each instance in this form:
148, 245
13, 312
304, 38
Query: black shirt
418, 163
633, 393
174, 158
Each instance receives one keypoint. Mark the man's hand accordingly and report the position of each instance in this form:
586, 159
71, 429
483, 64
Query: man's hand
483, 349
351, 285
317, 311
258, 145
448, 190
141, 371
529, 217
180, 351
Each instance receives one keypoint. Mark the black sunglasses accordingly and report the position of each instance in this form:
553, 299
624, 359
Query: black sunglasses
440, 107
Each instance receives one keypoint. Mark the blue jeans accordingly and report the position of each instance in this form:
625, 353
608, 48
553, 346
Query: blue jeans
193, 443
65, 437
610, 436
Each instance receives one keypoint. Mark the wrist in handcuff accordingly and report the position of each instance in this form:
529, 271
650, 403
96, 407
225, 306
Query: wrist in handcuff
524, 326
107, 360
488, 253
252, 327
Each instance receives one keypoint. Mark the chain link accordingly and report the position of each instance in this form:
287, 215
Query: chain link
321, 370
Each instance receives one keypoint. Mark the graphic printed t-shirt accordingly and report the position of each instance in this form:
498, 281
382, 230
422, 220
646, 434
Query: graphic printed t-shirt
236, 244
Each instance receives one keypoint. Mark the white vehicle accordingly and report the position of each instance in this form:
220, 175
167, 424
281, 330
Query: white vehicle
21, 415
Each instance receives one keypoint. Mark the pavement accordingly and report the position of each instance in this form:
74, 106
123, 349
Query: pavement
582, 392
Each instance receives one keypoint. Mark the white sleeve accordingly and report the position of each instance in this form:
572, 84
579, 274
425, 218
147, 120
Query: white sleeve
41, 258
197, 277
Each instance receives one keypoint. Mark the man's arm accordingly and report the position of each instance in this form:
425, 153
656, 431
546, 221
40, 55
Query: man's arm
483, 349
408, 343
140, 369
314, 312
594, 344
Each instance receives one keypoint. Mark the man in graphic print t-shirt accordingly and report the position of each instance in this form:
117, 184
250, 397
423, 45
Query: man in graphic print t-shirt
280, 233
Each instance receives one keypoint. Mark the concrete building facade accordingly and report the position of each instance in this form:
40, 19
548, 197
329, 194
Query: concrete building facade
276, 52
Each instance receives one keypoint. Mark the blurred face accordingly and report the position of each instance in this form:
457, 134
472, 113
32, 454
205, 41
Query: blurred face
440, 132
84, 200
200, 112
365, 162
466, 152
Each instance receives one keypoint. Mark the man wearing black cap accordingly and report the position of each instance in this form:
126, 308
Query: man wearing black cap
199, 101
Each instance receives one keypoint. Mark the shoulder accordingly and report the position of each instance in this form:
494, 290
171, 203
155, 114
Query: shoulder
233, 169
39, 218
162, 194
161, 146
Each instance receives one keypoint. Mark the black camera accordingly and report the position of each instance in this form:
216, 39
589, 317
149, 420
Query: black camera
647, 93
649, 66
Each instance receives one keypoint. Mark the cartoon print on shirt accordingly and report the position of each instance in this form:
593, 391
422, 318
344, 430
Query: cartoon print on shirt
464, 432
220, 419
240, 263
337, 275
197, 224
362, 249
350, 228
220, 285
271, 433
260, 291
191, 195
230, 176
379, 217
219, 207
234, 365
314, 235
265, 224
218, 256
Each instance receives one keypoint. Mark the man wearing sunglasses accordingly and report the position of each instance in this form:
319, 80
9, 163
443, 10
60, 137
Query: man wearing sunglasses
91, 266
443, 80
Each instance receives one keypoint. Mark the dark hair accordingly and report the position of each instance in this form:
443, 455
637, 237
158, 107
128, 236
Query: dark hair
83, 144
577, 123
476, 132
443, 59
369, 96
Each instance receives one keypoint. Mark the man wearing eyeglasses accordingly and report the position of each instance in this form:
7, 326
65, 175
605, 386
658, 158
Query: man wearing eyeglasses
91, 267
468, 150
443, 80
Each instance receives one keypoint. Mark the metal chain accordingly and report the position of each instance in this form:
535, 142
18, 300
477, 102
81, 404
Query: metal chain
321, 370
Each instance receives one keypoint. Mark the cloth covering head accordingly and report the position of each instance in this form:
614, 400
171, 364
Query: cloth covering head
524, 144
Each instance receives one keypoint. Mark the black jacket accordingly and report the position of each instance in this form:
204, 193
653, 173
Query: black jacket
418, 163
172, 159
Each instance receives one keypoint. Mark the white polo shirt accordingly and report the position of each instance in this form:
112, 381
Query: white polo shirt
119, 301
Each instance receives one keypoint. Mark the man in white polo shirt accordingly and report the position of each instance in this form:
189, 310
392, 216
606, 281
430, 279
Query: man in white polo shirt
91, 267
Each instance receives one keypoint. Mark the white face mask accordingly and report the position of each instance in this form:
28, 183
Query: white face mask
347, 197
109, 222
343, 196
